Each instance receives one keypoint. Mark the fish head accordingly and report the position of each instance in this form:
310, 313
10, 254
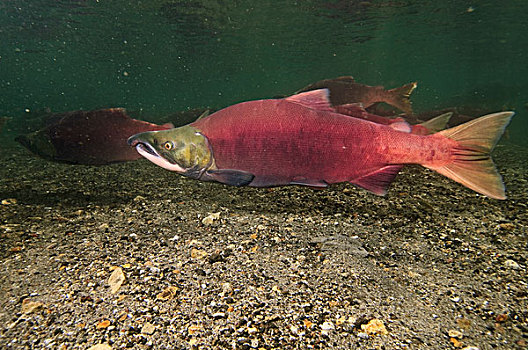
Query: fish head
183, 150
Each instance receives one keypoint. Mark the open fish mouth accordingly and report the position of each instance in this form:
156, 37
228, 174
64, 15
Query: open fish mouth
141, 147
145, 147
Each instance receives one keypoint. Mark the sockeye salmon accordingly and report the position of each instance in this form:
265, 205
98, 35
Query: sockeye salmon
302, 140
88, 137
345, 90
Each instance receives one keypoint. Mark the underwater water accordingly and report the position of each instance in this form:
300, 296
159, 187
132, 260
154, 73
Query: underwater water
130, 255
156, 57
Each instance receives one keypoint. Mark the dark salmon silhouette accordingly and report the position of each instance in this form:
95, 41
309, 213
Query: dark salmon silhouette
88, 137
345, 90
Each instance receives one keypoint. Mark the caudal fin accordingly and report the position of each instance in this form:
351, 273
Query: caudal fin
472, 165
400, 97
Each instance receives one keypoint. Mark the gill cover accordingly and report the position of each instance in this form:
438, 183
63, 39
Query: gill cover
186, 151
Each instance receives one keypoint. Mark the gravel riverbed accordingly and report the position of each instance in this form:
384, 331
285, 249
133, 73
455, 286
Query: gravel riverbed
133, 256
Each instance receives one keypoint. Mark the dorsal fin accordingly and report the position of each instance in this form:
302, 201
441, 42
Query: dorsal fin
203, 115
315, 99
437, 124
345, 79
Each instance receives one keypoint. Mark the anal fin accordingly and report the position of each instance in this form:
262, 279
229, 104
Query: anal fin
378, 181
309, 182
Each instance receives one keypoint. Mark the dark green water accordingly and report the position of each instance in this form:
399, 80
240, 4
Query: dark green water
159, 56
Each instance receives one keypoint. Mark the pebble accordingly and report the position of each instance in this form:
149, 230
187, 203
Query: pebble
103, 324
9, 201
210, 219
294, 329
198, 254
29, 306
168, 293
453, 333
501, 318
103, 346
374, 326
116, 280
512, 264
227, 288
148, 328
327, 327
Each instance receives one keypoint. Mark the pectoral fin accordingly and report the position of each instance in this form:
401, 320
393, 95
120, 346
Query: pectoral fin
230, 176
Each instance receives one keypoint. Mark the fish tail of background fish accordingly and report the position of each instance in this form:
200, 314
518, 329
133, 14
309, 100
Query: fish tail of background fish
399, 97
471, 163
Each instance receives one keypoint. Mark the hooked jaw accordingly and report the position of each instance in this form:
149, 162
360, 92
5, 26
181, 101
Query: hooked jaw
146, 150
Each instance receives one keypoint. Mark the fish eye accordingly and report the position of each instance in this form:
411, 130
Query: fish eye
168, 145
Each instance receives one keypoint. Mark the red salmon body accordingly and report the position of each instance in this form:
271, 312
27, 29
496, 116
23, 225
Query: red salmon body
286, 142
303, 140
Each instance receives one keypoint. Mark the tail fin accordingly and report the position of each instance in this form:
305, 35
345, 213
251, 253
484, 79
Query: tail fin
472, 166
400, 97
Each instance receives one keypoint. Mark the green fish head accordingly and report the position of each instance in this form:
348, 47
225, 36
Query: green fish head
184, 150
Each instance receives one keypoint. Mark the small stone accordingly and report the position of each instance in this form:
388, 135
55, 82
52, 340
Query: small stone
198, 254
148, 328
521, 342
103, 324
116, 280
294, 329
194, 328
453, 333
456, 343
216, 257
29, 306
103, 346
139, 199
374, 326
210, 219
463, 323
512, 264
327, 327
9, 201
501, 318
507, 226
471, 348
252, 330
227, 288
218, 315
362, 335
168, 293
